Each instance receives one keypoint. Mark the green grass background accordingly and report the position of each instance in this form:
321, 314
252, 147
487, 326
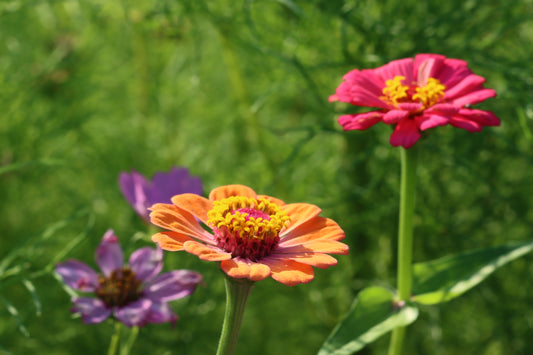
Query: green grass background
237, 91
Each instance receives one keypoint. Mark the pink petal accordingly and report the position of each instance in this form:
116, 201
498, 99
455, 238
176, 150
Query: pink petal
474, 97
427, 66
92, 310
428, 121
78, 275
360, 121
394, 116
443, 109
469, 125
146, 262
453, 71
400, 67
465, 86
109, 255
405, 134
485, 118
412, 107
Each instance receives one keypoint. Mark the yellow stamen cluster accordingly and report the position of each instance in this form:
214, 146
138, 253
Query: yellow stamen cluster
394, 91
225, 213
430, 94
427, 95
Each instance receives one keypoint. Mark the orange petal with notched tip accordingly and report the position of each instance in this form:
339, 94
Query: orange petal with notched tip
178, 220
319, 260
277, 201
206, 252
223, 192
171, 241
314, 229
196, 205
289, 272
243, 268
299, 213
318, 246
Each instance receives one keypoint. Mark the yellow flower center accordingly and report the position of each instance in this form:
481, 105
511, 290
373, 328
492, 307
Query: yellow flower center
247, 227
430, 94
395, 92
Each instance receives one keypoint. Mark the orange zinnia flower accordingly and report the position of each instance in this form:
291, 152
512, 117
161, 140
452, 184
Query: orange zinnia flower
253, 236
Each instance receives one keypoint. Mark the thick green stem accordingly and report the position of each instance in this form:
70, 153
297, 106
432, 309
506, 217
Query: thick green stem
405, 238
237, 292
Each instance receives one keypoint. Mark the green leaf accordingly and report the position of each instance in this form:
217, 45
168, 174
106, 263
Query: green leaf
443, 279
372, 315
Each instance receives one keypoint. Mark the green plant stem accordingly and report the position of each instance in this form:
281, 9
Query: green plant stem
115, 339
126, 349
237, 292
405, 238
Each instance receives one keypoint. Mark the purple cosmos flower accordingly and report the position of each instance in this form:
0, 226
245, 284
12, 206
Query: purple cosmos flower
142, 193
134, 294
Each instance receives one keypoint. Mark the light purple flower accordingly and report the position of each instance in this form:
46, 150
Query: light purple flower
142, 193
136, 294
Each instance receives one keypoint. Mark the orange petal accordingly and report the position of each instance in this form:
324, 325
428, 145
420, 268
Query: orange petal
205, 252
314, 259
242, 268
314, 229
289, 272
299, 214
318, 246
223, 192
277, 201
179, 220
172, 241
196, 205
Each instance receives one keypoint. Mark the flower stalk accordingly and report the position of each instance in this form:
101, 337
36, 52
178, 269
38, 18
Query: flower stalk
409, 159
237, 292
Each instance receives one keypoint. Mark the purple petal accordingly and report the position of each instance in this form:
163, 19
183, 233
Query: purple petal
109, 254
160, 312
78, 275
134, 314
172, 285
146, 262
135, 188
92, 310
176, 181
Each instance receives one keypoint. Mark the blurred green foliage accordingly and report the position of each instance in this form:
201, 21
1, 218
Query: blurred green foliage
237, 92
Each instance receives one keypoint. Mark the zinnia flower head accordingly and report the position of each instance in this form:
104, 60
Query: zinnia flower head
136, 294
253, 236
142, 193
415, 95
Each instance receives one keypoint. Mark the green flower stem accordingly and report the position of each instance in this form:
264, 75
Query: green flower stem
237, 292
115, 339
405, 237
126, 349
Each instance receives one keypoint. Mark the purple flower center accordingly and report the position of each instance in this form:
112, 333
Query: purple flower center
120, 288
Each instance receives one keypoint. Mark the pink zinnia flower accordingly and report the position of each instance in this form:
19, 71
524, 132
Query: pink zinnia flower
252, 236
135, 294
416, 94
142, 193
